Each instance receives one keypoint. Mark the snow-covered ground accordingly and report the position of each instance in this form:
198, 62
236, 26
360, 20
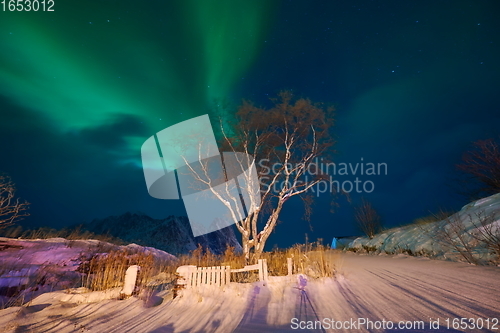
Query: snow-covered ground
43, 265
432, 239
403, 288
368, 288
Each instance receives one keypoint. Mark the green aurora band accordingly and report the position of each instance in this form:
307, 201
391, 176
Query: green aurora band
86, 62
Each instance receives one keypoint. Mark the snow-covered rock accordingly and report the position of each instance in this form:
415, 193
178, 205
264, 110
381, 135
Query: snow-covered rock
426, 239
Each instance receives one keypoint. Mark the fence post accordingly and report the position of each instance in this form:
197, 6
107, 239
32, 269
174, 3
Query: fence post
186, 275
228, 274
290, 266
264, 268
130, 279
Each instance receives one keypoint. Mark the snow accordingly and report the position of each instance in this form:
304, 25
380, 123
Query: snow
24, 263
62, 252
393, 288
408, 288
77, 296
421, 239
15, 278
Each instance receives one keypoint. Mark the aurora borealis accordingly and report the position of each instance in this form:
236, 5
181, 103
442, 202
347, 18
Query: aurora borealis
82, 87
79, 65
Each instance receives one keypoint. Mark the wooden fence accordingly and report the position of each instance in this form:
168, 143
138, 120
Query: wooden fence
192, 276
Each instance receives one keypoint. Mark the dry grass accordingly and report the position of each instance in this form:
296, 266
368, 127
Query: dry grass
76, 233
107, 270
440, 215
311, 259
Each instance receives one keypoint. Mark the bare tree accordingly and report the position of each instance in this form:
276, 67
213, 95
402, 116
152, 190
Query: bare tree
455, 235
482, 165
466, 234
285, 142
11, 208
367, 218
487, 231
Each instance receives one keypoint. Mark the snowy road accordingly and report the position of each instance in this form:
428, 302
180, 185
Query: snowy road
388, 294
410, 289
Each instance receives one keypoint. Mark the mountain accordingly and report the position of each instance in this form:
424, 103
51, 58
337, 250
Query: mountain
172, 234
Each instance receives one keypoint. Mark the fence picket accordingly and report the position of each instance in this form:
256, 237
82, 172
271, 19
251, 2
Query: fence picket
218, 275
198, 277
222, 275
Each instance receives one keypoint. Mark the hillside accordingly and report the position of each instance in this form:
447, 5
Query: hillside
460, 237
172, 234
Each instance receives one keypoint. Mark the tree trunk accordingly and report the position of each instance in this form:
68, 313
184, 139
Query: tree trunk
258, 251
261, 240
246, 247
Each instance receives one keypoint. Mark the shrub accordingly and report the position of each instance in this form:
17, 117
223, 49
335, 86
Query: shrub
11, 208
71, 234
440, 215
107, 270
481, 164
367, 218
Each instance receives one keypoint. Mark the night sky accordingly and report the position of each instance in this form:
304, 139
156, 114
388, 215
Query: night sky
414, 83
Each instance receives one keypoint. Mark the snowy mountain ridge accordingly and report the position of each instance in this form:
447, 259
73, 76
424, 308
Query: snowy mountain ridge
172, 234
